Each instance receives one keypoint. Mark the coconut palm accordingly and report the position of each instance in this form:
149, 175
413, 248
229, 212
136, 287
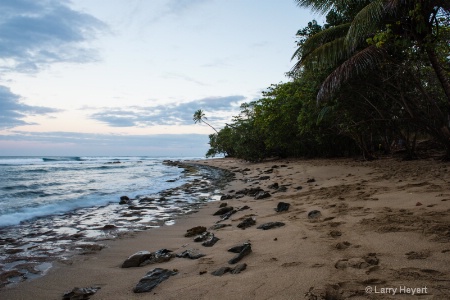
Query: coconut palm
344, 47
199, 117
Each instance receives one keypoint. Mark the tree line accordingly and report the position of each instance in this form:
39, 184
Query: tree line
374, 77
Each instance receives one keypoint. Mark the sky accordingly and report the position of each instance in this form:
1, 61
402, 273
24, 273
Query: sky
124, 77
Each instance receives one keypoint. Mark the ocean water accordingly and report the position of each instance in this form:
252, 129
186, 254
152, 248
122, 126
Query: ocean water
52, 208
33, 187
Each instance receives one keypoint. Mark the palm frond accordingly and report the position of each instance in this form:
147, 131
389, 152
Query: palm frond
366, 59
365, 22
319, 39
323, 6
327, 55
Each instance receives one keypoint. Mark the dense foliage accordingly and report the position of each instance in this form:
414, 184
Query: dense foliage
374, 77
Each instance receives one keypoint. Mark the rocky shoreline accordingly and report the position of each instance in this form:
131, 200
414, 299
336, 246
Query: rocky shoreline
28, 250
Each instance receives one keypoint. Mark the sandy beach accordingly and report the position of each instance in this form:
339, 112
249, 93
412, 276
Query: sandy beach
353, 229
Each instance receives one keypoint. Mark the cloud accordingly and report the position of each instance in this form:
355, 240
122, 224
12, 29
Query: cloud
36, 33
175, 114
13, 111
72, 143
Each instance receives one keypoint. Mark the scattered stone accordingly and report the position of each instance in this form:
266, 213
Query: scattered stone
223, 211
342, 245
210, 241
239, 268
335, 233
274, 186
250, 192
191, 254
299, 188
310, 180
419, 204
152, 279
80, 293
195, 231
109, 227
226, 197
124, 200
264, 178
270, 225
218, 226
244, 208
282, 189
314, 214
202, 272
268, 171
221, 271
146, 199
282, 206
224, 204
143, 258
262, 195
246, 250
247, 223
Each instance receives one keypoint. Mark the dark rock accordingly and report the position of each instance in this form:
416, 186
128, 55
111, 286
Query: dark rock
228, 215
223, 210
221, 271
146, 199
264, 178
247, 223
109, 227
210, 241
218, 226
310, 180
143, 258
262, 195
246, 250
270, 225
80, 293
223, 205
335, 233
124, 200
237, 248
250, 192
244, 208
191, 253
274, 186
299, 187
152, 279
282, 206
239, 268
268, 171
226, 197
195, 231
282, 189
314, 214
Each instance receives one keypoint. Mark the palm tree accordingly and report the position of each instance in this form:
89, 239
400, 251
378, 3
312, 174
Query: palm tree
199, 116
345, 49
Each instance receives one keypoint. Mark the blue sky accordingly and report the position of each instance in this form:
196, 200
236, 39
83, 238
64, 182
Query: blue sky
124, 77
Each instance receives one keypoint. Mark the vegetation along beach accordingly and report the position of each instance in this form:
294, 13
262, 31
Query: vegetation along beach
332, 184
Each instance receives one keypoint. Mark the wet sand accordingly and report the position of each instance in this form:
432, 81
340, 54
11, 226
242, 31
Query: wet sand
384, 228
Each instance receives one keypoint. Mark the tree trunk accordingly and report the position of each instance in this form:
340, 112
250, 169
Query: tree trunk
440, 72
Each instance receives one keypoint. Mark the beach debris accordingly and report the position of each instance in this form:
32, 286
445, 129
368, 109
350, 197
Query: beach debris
218, 226
270, 225
262, 195
124, 200
282, 206
80, 293
236, 270
152, 279
143, 258
223, 211
195, 231
247, 223
191, 254
246, 249
314, 214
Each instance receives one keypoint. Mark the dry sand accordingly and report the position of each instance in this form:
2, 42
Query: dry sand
384, 225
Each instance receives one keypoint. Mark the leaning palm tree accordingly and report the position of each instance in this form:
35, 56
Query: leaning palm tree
199, 116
